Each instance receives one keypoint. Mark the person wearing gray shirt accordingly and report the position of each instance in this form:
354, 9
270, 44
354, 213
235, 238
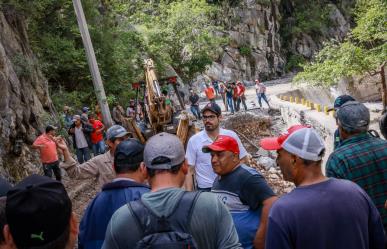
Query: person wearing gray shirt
211, 225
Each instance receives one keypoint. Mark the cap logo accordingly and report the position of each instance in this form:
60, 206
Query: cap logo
37, 236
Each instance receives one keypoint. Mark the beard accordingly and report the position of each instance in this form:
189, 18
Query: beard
210, 127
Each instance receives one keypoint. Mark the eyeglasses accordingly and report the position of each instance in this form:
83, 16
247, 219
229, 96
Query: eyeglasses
210, 117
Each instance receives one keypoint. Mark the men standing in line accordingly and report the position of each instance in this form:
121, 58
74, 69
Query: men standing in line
194, 100
360, 157
80, 130
100, 166
243, 190
39, 215
260, 89
96, 135
169, 217
210, 93
201, 162
321, 212
128, 185
46, 144
241, 95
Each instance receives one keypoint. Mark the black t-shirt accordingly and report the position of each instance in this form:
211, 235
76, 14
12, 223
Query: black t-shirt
243, 187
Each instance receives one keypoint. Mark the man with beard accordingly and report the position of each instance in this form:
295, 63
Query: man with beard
200, 162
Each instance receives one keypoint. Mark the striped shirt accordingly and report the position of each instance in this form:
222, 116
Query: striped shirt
363, 160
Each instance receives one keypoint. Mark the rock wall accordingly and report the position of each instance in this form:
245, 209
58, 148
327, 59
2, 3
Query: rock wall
24, 98
254, 48
257, 48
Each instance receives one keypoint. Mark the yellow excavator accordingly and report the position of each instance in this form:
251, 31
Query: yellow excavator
159, 115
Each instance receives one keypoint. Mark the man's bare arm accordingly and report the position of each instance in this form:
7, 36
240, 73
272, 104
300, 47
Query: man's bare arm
259, 241
189, 179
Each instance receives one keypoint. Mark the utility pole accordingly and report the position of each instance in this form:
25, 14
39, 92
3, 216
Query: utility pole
97, 81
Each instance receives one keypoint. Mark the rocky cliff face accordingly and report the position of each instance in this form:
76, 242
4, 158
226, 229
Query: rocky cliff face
24, 98
254, 48
257, 46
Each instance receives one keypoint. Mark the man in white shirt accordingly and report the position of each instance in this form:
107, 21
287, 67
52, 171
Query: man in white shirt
200, 162
260, 89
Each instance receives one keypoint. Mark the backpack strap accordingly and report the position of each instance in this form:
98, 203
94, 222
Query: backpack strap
178, 220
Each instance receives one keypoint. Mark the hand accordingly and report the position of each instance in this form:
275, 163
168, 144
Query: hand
61, 143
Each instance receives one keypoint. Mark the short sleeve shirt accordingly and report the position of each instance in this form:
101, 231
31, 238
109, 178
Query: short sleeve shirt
205, 175
48, 153
95, 135
243, 191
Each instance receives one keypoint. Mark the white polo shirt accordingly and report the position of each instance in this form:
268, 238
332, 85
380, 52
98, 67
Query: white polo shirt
205, 175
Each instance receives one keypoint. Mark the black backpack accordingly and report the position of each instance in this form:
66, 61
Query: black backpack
166, 232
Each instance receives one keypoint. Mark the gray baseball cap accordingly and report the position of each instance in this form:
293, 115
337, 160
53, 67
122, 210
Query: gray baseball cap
116, 131
353, 116
163, 151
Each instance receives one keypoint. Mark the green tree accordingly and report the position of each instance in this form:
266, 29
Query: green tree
364, 51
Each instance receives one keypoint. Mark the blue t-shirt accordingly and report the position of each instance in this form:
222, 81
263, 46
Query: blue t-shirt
243, 191
334, 214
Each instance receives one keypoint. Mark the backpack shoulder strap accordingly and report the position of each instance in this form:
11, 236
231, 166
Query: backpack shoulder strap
180, 218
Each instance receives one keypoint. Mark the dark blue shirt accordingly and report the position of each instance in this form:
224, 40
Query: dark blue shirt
114, 195
243, 191
334, 214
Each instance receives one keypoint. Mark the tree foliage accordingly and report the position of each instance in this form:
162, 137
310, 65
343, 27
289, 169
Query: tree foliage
364, 50
180, 34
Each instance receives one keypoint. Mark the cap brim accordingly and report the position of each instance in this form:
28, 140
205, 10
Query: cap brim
209, 148
122, 134
270, 143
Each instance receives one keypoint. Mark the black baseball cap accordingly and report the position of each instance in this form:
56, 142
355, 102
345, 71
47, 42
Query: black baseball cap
50, 128
213, 107
129, 152
38, 211
341, 100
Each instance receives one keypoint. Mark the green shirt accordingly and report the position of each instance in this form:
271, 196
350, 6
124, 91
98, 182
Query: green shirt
211, 224
363, 160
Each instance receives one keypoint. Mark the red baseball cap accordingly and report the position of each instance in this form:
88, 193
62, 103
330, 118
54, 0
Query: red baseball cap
275, 143
222, 143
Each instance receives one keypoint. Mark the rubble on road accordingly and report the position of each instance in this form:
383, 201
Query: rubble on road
251, 127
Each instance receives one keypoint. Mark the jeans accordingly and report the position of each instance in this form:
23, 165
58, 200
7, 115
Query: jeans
230, 104
195, 111
48, 168
243, 100
99, 148
235, 101
83, 154
262, 96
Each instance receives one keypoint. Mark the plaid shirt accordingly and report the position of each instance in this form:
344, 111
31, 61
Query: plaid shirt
363, 160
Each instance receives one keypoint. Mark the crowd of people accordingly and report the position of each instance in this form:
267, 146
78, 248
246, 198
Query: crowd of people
232, 94
163, 195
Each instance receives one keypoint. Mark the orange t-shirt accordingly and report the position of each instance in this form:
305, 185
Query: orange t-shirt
210, 93
48, 153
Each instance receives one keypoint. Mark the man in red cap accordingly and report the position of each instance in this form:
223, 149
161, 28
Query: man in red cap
321, 212
242, 189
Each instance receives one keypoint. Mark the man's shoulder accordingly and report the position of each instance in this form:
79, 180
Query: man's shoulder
227, 132
197, 137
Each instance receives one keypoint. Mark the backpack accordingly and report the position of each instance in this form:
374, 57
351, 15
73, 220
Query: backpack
166, 232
